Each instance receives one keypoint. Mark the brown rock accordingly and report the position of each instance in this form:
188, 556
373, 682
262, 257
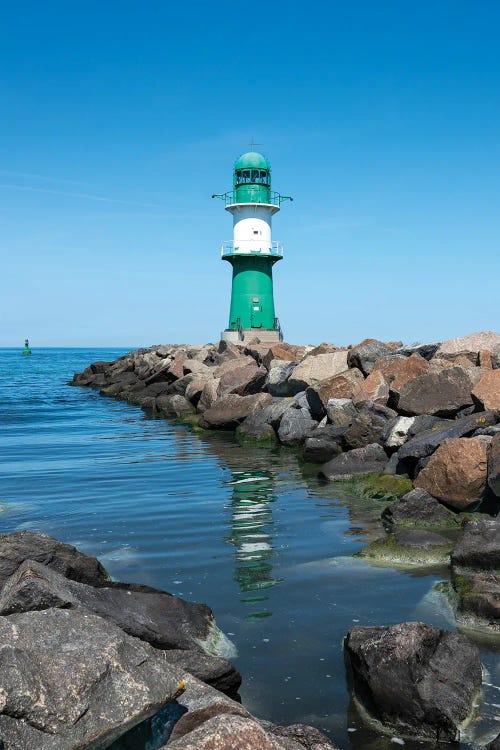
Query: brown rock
278, 352
487, 390
456, 473
324, 348
242, 380
229, 412
227, 732
471, 345
494, 466
398, 372
233, 364
176, 367
484, 359
313, 369
208, 394
374, 388
441, 394
340, 386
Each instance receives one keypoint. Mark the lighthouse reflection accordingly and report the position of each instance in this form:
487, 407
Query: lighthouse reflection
251, 504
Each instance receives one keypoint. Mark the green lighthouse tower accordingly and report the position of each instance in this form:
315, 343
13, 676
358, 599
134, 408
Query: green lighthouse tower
252, 253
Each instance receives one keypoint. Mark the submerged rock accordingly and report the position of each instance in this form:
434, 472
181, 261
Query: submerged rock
407, 548
414, 680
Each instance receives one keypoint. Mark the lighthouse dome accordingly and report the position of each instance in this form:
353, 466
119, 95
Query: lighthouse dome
252, 160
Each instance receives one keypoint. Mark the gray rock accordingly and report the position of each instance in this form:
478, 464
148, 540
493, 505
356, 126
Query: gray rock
416, 680
19, 546
367, 460
59, 668
320, 449
494, 466
418, 509
442, 393
427, 441
212, 670
302, 736
295, 426
477, 600
277, 382
364, 355
341, 411
174, 406
494, 744
427, 351
479, 546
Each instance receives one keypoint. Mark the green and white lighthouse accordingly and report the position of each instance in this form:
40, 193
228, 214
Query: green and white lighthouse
252, 253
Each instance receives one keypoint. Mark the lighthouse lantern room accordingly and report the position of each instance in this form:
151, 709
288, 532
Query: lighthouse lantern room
252, 253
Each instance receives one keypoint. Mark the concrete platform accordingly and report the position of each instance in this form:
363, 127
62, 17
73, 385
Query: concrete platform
265, 335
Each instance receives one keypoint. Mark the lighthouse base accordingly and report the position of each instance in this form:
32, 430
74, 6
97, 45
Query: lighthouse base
245, 335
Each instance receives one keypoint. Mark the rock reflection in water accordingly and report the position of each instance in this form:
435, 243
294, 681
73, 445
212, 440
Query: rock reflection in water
252, 519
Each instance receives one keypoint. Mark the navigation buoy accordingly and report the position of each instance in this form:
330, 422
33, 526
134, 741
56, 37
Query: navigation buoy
26, 349
252, 253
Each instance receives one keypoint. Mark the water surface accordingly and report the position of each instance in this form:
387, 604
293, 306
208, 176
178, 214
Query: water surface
245, 530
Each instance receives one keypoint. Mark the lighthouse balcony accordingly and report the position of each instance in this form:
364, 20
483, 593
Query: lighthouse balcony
251, 247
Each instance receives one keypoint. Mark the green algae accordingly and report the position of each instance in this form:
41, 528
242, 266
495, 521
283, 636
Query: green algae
389, 553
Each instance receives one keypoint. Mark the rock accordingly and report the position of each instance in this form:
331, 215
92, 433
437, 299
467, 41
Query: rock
479, 546
408, 548
208, 395
471, 345
212, 670
163, 620
226, 732
278, 379
278, 352
396, 431
486, 391
233, 364
441, 393
494, 466
416, 680
427, 351
195, 388
320, 449
398, 371
374, 388
243, 381
456, 473
296, 424
418, 509
58, 668
382, 487
477, 600
368, 426
19, 546
339, 386
425, 443
313, 369
302, 736
229, 412
341, 411
256, 430
365, 355
174, 406
494, 744
368, 460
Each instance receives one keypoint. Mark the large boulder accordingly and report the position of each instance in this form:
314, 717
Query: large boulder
365, 354
229, 412
367, 460
313, 369
416, 680
427, 351
456, 473
441, 393
398, 371
278, 379
418, 509
471, 345
341, 411
479, 547
409, 548
69, 679
19, 546
374, 388
174, 405
339, 386
296, 424
494, 466
369, 425
244, 381
208, 395
486, 391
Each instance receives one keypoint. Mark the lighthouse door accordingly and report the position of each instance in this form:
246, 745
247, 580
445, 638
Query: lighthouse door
256, 313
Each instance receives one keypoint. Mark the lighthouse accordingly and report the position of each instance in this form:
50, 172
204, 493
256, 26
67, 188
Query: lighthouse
252, 253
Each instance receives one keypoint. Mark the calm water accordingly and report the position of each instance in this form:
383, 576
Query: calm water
243, 529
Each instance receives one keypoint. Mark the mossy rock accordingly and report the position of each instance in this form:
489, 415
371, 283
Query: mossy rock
409, 549
191, 419
385, 487
262, 438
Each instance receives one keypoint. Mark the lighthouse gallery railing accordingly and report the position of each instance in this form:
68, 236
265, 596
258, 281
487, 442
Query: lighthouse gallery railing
249, 247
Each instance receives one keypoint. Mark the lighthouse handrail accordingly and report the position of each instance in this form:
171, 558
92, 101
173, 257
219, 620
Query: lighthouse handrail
274, 199
232, 247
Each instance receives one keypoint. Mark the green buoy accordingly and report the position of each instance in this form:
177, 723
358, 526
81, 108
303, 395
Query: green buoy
26, 349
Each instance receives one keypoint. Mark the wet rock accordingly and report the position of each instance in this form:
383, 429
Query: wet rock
58, 668
479, 546
486, 391
416, 680
425, 443
427, 351
441, 393
341, 411
418, 509
494, 466
339, 386
367, 460
256, 430
477, 600
313, 369
229, 412
407, 548
19, 546
494, 744
456, 473
374, 388
320, 449
212, 670
364, 355
396, 431
174, 406
382, 487
243, 381
278, 380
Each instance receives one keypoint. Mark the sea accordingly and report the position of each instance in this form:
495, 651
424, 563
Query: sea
249, 531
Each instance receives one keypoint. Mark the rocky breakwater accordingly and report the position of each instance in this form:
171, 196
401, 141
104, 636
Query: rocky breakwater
85, 661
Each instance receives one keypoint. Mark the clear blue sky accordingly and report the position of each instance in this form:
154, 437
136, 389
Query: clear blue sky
118, 120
